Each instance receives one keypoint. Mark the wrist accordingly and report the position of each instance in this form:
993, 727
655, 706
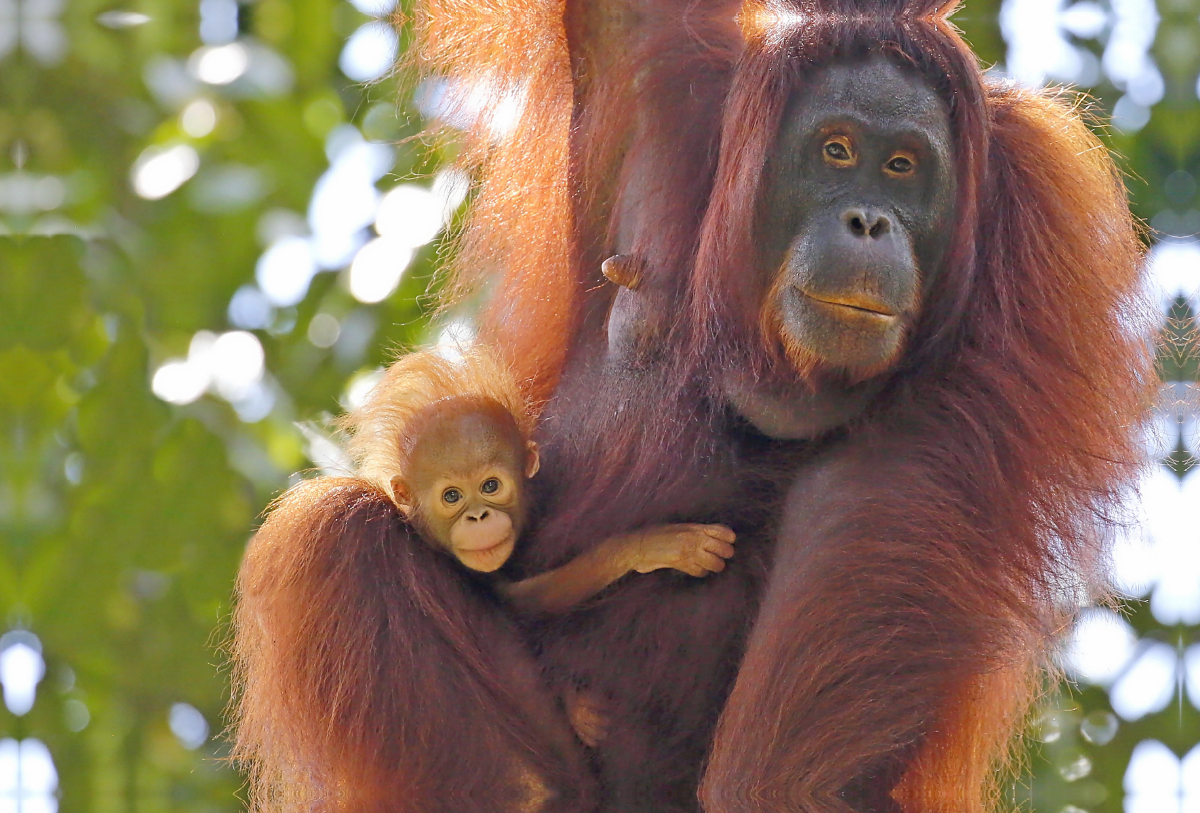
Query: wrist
628, 553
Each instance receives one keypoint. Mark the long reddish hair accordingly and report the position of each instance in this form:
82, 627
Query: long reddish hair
1017, 404
1033, 337
1021, 393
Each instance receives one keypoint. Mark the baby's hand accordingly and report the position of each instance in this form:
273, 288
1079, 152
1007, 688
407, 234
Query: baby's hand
696, 550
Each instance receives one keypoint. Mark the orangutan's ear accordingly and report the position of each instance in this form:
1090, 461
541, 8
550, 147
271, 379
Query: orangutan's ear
533, 461
402, 497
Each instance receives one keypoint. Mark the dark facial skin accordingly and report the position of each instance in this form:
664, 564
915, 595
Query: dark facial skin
854, 221
465, 488
857, 206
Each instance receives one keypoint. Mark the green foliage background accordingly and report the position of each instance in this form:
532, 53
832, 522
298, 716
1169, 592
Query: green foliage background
123, 518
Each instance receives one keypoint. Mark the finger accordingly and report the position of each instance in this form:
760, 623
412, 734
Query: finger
722, 549
698, 536
710, 562
725, 534
694, 570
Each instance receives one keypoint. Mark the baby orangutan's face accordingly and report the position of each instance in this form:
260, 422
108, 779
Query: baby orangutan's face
465, 488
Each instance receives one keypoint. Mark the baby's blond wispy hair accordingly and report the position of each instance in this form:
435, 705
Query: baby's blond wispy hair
382, 429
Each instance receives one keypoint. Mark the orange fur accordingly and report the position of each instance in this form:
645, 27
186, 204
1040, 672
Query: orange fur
884, 630
511, 55
964, 763
370, 675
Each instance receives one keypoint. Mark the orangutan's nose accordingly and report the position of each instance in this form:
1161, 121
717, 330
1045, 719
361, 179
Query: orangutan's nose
865, 223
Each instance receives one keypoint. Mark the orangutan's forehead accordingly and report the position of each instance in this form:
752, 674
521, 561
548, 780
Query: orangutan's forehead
891, 95
461, 438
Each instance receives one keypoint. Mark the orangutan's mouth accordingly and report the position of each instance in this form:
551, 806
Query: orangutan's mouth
853, 302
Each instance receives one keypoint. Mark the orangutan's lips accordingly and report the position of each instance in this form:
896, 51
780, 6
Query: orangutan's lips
499, 544
508, 538
858, 305
490, 548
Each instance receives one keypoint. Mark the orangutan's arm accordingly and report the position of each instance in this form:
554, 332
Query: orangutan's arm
693, 549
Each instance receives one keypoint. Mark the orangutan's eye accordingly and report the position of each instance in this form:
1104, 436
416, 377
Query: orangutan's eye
839, 152
490, 486
901, 165
451, 495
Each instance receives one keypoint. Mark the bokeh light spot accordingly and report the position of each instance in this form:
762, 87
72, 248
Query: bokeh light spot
199, 118
178, 382
1100, 646
285, 270
1099, 727
21, 669
218, 21
188, 725
221, 64
117, 20
375, 8
377, 269
250, 309
28, 778
236, 362
370, 52
455, 339
410, 215
76, 715
159, 171
323, 330
1149, 683
359, 388
1153, 779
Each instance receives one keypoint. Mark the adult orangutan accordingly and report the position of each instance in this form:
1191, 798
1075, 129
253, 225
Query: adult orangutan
880, 318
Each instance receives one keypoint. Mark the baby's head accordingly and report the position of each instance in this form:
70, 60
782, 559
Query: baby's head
464, 486
448, 439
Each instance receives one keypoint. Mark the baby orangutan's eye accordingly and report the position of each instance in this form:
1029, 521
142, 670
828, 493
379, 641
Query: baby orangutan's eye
490, 486
451, 495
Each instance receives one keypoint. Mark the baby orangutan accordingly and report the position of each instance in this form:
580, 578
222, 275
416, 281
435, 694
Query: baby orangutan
449, 441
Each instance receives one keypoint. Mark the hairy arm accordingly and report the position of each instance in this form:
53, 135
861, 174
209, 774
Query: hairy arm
693, 549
